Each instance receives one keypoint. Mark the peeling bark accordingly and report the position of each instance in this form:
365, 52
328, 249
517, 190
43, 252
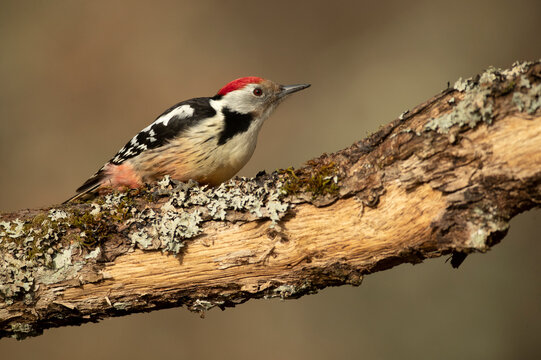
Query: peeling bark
444, 178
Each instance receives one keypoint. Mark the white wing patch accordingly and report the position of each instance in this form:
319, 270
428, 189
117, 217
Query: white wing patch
182, 112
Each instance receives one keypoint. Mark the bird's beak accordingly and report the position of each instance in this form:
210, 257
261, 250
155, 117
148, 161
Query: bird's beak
290, 89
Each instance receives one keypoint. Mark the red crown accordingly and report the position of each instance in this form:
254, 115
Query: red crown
239, 84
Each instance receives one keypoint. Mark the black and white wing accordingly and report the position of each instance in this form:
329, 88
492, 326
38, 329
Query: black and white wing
170, 124
166, 127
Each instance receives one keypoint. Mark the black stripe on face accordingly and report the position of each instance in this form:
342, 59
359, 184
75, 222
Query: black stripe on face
235, 123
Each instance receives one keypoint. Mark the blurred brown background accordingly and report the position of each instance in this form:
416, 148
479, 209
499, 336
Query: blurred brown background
80, 78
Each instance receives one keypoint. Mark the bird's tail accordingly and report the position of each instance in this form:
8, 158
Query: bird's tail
89, 187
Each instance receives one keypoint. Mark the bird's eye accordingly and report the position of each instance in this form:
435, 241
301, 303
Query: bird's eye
258, 92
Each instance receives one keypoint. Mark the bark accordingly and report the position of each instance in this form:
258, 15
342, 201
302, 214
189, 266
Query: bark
444, 178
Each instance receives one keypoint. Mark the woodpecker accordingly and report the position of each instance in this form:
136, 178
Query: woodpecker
207, 139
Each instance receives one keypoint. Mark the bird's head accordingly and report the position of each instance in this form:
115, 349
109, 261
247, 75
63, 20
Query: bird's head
255, 95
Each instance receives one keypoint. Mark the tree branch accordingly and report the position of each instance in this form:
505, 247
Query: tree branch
444, 178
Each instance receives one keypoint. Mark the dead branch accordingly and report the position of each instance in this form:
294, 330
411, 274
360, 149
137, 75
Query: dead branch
444, 178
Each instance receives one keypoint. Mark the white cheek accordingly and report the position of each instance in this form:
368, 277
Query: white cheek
241, 101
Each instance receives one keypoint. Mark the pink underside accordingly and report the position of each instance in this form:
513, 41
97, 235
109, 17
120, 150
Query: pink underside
122, 176
239, 84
